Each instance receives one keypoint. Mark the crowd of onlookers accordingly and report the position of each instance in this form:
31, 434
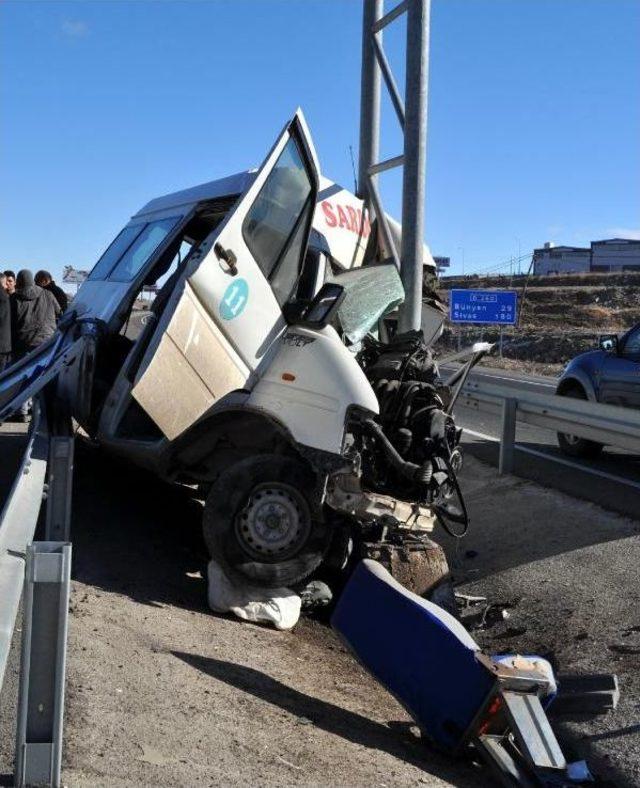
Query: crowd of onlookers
29, 310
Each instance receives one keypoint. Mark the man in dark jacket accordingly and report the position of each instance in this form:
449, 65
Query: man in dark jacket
34, 313
44, 280
5, 324
33, 320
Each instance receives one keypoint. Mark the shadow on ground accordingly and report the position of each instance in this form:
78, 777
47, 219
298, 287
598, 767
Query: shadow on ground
136, 535
394, 738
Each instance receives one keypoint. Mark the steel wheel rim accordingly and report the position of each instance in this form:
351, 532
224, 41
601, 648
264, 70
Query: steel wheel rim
274, 523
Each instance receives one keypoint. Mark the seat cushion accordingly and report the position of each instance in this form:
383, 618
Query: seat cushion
415, 649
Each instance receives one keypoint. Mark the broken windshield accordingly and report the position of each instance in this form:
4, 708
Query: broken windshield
371, 292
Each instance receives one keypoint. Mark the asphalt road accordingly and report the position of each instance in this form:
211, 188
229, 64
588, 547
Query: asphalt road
611, 480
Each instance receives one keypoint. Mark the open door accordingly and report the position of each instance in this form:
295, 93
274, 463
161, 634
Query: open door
226, 311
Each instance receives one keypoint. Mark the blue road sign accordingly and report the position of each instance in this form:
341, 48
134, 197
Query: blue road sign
483, 306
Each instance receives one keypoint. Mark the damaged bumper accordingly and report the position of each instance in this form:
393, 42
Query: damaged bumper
345, 495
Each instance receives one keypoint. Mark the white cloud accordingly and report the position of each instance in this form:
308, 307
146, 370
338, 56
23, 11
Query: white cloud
75, 28
624, 232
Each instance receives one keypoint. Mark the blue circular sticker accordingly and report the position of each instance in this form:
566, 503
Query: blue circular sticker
234, 299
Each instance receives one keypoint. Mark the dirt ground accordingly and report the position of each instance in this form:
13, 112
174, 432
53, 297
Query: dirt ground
162, 692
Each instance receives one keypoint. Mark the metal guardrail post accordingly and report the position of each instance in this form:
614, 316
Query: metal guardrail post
60, 482
42, 667
508, 436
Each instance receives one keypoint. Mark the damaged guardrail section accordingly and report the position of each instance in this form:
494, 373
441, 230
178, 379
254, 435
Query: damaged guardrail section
606, 424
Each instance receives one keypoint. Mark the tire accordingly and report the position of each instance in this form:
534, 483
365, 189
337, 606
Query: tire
571, 445
236, 524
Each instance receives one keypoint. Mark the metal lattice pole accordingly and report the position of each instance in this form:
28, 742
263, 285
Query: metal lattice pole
369, 99
415, 161
412, 117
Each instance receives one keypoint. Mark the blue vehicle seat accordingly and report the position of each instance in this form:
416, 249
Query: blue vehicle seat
418, 651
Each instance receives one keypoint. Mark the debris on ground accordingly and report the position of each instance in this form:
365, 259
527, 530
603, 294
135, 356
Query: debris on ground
461, 698
315, 595
277, 606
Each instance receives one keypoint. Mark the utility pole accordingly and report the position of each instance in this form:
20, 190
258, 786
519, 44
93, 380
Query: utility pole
413, 123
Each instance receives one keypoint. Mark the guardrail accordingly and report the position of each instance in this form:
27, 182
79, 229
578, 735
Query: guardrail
17, 527
606, 424
42, 570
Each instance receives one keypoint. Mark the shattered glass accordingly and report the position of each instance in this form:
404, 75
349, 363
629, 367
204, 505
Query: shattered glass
370, 293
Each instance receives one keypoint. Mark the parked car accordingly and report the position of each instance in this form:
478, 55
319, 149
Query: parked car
610, 375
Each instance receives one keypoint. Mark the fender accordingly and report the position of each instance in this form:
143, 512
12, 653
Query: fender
229, 432
577, 376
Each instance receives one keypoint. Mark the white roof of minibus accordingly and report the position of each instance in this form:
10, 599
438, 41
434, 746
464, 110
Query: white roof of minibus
223, 187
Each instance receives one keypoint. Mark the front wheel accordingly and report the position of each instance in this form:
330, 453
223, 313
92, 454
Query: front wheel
262, 524
571, 445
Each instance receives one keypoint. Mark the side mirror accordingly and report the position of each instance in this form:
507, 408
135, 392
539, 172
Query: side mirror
318, 312
609, 343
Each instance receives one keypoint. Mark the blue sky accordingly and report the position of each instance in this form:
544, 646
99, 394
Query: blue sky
534, 114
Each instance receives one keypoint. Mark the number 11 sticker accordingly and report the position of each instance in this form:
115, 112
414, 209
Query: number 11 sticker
234, 299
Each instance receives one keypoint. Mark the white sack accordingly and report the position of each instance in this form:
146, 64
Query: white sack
277, 606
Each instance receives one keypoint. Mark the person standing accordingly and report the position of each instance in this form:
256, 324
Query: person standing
11, 281
44, 280
33, 320
5, 324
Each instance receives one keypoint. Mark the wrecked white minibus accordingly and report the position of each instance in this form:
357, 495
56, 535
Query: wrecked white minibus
268, 375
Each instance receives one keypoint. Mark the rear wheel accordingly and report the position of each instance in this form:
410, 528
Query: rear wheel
261, 522
571, 445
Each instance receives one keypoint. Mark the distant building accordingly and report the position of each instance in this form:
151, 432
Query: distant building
614, 254
561, 260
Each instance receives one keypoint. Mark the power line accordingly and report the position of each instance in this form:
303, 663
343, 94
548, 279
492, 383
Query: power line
505, 264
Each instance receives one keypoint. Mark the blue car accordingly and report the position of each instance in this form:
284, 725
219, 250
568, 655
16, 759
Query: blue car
610, 375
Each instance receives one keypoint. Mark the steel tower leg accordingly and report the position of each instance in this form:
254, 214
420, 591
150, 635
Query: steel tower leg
415, 159
369, 99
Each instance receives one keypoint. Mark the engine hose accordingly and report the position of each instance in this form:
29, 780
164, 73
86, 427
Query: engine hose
405, 399
442, 517
408, 469
426, 472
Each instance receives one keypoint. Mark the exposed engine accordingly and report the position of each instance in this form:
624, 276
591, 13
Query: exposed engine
404, 465
412, 450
